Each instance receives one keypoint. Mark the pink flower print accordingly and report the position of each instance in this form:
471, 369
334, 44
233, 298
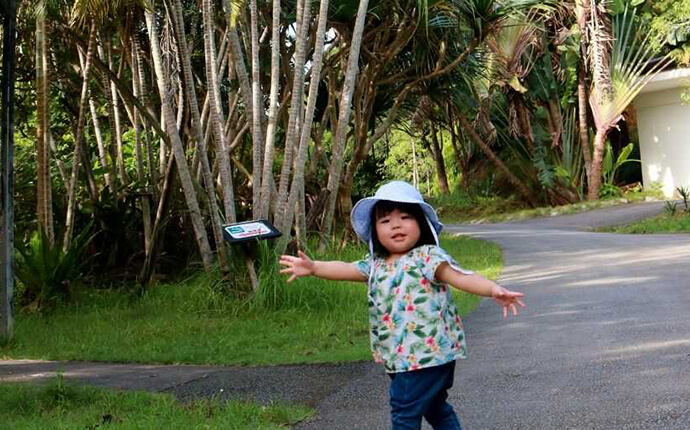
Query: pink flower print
377, 357
397, 291
414, 367
430, 341
412, 359
388, 322
399, 350
425, 285
410, 308
443, 288
457, 319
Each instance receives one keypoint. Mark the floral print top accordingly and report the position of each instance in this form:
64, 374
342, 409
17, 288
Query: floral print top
413, 320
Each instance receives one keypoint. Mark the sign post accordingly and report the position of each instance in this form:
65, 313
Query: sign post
249, 231
246, 234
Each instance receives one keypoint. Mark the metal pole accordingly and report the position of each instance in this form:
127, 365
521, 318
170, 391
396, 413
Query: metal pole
7, 179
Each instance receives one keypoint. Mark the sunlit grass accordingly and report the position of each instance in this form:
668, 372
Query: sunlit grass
307, 321
459, 208
665, 223
58, 406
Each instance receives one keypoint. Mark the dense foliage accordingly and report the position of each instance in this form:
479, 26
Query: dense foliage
155, 122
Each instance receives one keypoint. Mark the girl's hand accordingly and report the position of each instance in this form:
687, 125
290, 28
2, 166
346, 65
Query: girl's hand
507, 299
297, 266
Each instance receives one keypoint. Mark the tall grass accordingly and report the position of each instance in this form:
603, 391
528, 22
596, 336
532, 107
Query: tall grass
201, 320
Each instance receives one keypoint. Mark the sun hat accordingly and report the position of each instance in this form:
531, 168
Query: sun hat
395, 191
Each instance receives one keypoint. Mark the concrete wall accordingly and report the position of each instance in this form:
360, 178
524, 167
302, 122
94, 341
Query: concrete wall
663, 121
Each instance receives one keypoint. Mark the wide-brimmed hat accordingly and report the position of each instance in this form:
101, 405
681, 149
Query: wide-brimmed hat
395, 191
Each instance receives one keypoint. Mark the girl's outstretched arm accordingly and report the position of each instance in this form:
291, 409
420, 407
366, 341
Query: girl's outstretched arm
477, 284
301, 265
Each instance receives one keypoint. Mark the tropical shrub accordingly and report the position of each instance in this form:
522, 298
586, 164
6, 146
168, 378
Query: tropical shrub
47, 273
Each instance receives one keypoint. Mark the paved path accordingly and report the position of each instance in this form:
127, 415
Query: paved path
603, 344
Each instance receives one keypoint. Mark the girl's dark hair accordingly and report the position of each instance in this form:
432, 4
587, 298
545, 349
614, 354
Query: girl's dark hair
384, 207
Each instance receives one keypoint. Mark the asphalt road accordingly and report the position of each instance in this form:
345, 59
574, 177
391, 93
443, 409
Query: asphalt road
603, 344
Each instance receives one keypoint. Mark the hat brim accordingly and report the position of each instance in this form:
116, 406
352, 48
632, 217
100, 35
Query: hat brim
360, 217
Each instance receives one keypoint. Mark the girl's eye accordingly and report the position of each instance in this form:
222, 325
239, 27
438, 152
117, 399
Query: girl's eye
383, 221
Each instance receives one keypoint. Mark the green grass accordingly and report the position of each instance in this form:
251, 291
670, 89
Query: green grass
307, 321
678, 223
459, 208
59, 406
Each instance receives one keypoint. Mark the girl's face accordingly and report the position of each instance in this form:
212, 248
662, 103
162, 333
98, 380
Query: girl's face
398, 232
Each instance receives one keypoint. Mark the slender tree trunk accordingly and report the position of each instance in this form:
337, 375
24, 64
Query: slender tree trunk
598, 156
295, 113
102, 157
297, 187
265, 199
415, 168
257, 110
519, 185
178, 150
144, 93
202, 150
141, 176
44, 197
117, 131
583, 128
216, 119
76, 160
343, 119
163, 203
438, 158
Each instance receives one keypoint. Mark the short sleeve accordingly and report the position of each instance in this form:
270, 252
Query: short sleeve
364, 266
432, 256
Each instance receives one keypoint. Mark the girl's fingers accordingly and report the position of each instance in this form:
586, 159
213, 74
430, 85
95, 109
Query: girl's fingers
292, 278
302, 255
505, 312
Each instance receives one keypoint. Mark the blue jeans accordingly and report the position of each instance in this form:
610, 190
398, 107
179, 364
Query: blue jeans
423, 393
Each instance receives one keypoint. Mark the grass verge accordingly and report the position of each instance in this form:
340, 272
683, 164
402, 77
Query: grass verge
476, 210
308, 321
60, 406
665, 223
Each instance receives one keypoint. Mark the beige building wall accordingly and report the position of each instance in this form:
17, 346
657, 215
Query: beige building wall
663, 121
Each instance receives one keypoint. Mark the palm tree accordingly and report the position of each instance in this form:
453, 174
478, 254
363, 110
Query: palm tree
296, 107
344, 117
178, 149
216, 120
269, 149
77, 158
206, 173
297, 187
619, 74
44, 198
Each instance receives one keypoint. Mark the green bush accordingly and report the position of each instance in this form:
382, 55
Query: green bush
45, 272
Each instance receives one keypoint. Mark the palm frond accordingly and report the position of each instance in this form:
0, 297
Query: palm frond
632, 66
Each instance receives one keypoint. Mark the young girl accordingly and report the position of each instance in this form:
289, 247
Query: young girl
415, 329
